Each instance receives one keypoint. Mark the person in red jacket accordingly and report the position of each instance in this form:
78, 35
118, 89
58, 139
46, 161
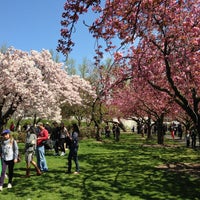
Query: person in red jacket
40, 150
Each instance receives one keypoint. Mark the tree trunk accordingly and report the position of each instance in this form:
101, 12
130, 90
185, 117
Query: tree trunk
160, 133
121, 125
98, 134
149, 128
198, 129
18, 123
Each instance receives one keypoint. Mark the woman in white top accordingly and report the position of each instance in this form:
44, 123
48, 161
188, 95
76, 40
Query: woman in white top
9, 156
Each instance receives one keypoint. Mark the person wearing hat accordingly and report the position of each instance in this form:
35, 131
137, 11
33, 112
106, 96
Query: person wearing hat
9, 156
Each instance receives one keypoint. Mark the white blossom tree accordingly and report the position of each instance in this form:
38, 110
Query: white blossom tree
32, 83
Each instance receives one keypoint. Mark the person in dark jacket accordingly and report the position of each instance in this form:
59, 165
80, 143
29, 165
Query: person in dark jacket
55, 137
193, 137
73, 148
117, 132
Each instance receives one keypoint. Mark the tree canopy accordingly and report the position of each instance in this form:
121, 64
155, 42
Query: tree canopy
32, 83
158, 41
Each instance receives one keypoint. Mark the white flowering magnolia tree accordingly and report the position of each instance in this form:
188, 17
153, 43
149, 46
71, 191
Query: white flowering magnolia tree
33, 84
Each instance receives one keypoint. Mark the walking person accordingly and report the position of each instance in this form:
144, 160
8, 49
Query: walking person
40, 149
9, 156
73, 149
30, 148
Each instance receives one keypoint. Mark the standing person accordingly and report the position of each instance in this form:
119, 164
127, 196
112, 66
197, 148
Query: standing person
107, 130
62, 138
187, 137
30, 147
180, 131
48, 127
172, 131
114, 130
133, 129
40, 150
117, 132
9, 156
12, 126
55, 137
73, 149
193, 137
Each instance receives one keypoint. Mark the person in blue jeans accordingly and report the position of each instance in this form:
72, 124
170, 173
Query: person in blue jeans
73, 148
40, 150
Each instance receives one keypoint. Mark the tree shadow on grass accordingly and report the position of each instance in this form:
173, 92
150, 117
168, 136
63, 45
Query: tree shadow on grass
110, 172
138, 181
131, 173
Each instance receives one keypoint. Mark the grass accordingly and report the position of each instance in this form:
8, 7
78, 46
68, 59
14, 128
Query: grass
131, 169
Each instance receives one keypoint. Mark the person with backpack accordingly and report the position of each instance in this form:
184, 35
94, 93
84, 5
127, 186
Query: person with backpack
9, 156
30, 148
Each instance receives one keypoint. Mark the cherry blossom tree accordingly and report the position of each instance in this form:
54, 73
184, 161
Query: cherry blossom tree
32, 83
134, 99
160, 39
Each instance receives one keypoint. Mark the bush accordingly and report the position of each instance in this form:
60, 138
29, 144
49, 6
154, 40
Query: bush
19, 136
88, 132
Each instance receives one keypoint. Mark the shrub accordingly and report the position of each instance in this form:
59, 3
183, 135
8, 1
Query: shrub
19, 136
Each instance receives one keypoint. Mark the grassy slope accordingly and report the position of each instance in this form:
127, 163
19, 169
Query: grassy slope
127, 170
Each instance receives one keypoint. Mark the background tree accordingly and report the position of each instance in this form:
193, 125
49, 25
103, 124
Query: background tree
36, 85
165, 35
92, 110
70, 67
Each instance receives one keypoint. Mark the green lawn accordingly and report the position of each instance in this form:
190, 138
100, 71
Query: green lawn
132, 169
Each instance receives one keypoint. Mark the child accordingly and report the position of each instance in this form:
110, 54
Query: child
30, 147
9, 154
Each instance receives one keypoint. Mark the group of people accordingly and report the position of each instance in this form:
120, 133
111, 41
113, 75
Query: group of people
115, 131
59, 135
34, 145
191, 137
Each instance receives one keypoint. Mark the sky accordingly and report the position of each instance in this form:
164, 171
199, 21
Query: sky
35, 25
